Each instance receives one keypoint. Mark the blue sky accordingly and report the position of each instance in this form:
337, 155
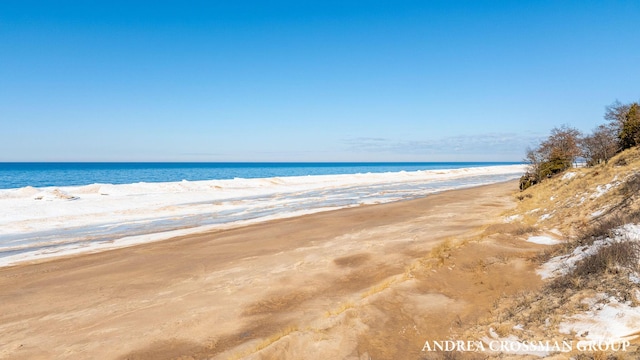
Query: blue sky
307, 80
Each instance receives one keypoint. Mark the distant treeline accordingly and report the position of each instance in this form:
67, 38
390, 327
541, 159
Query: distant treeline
566, 144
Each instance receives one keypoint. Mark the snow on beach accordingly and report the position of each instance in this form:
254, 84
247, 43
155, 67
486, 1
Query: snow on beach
543, 240
44, 222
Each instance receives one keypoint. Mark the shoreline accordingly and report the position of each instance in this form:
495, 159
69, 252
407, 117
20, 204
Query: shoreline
142, 240
248, 224
226, 293
75, 220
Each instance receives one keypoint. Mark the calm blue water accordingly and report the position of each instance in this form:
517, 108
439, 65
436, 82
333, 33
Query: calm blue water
16, 175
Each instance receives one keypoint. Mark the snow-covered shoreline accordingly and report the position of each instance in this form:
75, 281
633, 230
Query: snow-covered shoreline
44, 222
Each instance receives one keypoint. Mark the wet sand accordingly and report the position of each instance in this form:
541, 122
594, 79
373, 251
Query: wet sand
355, 283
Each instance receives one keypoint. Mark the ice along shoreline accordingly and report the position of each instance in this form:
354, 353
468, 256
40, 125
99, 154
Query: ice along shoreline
39, 223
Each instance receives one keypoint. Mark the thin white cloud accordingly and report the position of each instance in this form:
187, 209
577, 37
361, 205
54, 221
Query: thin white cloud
489, 143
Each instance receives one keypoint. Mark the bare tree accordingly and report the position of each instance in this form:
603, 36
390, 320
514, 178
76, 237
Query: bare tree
534, 158
555, 154
616, 113
565, 144
533, 175
561, 147
625, 118
601, 145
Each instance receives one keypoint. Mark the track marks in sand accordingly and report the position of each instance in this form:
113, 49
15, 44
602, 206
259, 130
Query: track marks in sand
398, 312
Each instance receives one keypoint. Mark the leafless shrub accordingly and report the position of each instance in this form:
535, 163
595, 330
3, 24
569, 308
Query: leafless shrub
605, 226
611, 259
601, 229
525, 196
624, 254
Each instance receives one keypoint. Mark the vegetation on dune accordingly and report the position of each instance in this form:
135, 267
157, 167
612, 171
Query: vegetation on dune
566, 144
589, 207
552, 156
625, 119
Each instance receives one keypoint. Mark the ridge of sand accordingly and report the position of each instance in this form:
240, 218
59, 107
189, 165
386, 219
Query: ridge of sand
374, 281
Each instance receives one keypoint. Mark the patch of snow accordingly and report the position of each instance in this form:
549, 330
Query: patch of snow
552, 198
546, 216
603, 189
563, 264
611, 322
631, 231
543, 240
595, 214
569, 176
512, 218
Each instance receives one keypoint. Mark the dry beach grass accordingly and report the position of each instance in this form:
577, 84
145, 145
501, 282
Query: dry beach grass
581, 206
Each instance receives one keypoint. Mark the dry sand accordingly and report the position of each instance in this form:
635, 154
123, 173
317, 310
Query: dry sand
355, 283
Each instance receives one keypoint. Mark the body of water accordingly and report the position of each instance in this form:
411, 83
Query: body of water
17, 175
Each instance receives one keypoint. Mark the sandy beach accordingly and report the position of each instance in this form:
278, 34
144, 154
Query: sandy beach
374, 281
